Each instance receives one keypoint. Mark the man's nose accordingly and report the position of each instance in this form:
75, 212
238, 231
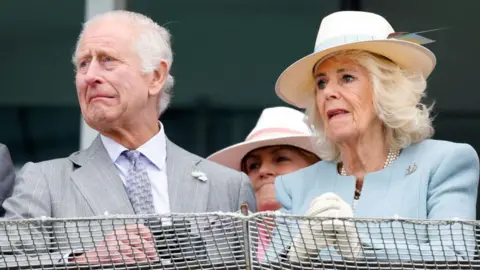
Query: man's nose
92, 77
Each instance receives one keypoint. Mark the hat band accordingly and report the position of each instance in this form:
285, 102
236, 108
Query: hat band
342, 40
274, 130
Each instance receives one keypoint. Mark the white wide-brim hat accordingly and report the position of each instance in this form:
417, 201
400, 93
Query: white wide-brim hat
276, 126
352, 30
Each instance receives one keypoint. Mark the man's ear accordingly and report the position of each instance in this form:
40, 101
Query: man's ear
159, 78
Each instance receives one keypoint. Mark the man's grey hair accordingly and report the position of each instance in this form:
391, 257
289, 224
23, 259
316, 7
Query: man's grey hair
152, 45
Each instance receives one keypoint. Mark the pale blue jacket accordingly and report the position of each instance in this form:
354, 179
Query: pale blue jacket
433, 180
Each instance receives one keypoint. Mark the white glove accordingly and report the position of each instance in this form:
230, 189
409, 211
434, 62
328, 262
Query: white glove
341, 234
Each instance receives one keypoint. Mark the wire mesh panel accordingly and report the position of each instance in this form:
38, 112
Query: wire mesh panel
236, 241
190, 241
293, 242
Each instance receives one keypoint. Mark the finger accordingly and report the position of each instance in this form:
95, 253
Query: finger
321, 201
139, 248
132, 253
117, 235
100, 257
139, 229
329, 196
111, 253
318, 209
102, 252
112, 256
145, 245
82, 259
136, 241
329, 213
325, 230
131, 240
148, 248
348, 245
147, 236
301, 248
333, 226
118, 257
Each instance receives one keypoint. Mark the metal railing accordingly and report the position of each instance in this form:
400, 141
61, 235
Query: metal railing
237, 241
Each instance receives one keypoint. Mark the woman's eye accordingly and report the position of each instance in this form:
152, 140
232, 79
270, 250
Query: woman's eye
348, 78
282, 159
252, 166
321, 84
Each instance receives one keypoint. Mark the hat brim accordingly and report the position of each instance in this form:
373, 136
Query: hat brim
296, 82
233, 155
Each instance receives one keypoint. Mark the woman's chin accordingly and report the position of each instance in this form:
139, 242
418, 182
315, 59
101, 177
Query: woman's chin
339, 136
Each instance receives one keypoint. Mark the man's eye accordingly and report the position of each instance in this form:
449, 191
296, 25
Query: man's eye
82, 64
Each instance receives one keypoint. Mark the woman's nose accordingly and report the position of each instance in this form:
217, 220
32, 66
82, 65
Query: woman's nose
331, 91
267, 170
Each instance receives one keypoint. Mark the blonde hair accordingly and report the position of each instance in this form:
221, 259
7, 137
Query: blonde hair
397, 96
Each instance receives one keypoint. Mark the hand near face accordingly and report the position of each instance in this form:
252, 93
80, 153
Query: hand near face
265, 164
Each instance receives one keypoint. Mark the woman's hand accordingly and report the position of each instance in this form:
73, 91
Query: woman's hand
321, 234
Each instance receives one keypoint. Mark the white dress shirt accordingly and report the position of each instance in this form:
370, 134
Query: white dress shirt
154, 156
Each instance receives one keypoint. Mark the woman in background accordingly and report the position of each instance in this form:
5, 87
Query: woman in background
280, 143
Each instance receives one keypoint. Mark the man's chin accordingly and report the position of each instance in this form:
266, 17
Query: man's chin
101, 122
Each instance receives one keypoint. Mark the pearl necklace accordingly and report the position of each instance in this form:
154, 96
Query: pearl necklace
391, 157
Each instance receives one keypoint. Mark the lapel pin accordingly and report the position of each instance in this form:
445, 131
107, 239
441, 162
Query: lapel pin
411, 169
200, 176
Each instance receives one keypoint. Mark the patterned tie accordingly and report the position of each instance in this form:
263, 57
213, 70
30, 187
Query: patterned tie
138, 185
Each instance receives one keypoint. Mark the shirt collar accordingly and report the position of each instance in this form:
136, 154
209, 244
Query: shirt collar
155, 149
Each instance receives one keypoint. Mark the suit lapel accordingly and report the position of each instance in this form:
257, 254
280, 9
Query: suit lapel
98, 181
187, 194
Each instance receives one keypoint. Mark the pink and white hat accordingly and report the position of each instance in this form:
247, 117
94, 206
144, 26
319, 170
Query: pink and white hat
276, 126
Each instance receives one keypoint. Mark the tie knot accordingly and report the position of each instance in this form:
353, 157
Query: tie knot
132, 155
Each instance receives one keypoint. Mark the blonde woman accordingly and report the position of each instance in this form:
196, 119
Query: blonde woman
280, 143
363, 90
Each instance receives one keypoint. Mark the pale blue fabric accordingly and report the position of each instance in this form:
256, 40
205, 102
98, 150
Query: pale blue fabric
443, 186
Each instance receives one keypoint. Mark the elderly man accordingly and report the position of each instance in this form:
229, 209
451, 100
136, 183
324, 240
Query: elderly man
122, 63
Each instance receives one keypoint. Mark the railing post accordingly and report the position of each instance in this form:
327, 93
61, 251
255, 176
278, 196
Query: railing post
246, 237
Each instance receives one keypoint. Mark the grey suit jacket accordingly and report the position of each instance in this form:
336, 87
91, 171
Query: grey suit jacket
7, 176
87, 184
